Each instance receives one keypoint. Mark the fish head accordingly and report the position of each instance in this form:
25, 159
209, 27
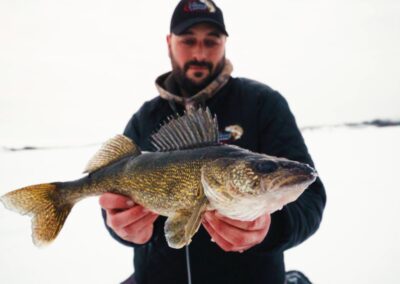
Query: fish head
275, 174
245, 188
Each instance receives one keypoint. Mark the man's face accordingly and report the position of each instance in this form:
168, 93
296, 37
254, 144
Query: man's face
197, 56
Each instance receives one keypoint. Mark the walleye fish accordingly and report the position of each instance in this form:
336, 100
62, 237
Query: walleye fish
189, 173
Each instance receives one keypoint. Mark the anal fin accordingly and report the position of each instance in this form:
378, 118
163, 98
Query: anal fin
180, 228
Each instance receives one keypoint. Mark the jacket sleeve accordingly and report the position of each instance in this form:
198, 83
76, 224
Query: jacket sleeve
280, 136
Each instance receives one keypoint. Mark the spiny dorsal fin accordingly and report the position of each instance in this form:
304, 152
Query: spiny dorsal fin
113, 150
194, 129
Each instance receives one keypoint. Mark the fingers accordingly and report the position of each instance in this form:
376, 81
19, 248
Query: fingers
257, 224
234, 235
140, 231
121, 219
130, 221
111, 201
139, 238
221, 241
140, 226
237, 237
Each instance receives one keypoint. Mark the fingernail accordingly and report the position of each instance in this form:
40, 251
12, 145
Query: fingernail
241, 251
130, 203
212, 240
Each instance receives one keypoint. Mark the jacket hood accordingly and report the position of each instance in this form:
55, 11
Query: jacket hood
168, 92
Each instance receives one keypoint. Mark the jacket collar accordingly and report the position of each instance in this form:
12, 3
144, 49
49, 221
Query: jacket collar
168, 89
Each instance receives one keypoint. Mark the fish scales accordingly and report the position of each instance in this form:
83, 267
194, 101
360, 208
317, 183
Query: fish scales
162, 181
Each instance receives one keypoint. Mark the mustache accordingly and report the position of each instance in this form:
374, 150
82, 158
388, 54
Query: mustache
208, 65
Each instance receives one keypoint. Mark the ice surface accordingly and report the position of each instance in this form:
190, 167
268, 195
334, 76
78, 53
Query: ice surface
82, 253
358, 241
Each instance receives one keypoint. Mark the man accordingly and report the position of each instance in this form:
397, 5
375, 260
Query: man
224, 250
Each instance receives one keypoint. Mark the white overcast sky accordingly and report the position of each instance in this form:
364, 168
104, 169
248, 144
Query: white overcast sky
73, 68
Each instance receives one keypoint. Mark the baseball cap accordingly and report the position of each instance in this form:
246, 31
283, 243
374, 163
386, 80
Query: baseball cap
190, 12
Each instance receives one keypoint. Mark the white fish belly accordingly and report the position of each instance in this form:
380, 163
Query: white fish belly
250, 207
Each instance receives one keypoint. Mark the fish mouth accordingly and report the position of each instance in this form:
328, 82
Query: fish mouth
299, 180
284, 190
300, 174
292, 179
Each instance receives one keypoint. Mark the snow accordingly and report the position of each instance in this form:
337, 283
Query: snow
83, 252
356, 243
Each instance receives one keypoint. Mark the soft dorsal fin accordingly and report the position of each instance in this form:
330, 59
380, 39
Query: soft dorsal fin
196, 128
113, 150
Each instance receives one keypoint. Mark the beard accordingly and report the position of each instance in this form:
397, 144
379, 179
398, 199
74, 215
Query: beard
189, 86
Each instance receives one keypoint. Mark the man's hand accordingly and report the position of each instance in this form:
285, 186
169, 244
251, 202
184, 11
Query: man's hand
130, 221
234, 235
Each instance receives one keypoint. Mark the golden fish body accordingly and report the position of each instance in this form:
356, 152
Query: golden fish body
163, 182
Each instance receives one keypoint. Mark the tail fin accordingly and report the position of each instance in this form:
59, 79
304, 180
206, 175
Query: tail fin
48, 211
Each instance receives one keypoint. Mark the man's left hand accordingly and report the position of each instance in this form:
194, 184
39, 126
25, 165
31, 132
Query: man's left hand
235, 235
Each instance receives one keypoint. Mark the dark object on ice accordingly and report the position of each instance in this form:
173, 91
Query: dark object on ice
20, 149
375, 122
382, 122
296, 277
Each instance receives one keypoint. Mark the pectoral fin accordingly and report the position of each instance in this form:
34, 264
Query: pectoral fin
180, 228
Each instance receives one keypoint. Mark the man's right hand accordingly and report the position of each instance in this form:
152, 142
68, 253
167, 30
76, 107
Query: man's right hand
130, 221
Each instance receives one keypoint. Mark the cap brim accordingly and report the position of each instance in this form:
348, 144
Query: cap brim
182, 27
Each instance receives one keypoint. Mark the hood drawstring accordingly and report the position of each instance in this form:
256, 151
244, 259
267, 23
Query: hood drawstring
189, 274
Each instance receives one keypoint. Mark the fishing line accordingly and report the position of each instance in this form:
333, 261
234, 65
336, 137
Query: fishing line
189, 274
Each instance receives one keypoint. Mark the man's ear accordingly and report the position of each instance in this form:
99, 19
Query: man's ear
169, 43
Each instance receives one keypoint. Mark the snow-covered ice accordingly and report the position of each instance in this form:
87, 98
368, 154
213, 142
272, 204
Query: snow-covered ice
82, 253
358, 241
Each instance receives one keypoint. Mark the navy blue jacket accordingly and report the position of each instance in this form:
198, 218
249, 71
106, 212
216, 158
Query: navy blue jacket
270, 128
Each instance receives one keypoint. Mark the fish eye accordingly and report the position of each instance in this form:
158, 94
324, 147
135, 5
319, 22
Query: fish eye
265, 167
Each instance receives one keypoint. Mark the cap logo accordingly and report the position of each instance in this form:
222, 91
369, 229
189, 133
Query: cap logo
200, 5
